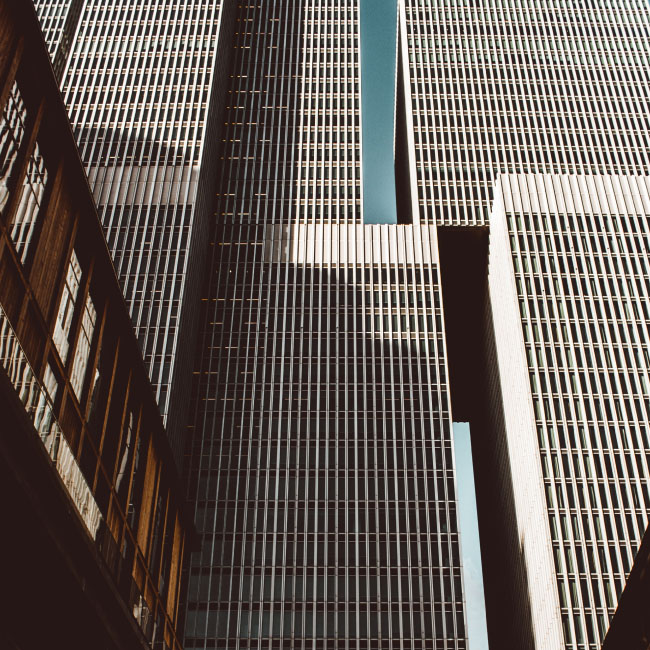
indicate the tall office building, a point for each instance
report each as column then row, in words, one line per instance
column 143, row 87
column 320, row 453
column 321, row 458
column 508, row 87
column 562, row 425
column 503, row 94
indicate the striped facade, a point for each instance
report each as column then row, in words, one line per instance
column 524, row 86
column 59, row 20
column 319, row 453
column 321, row 459
column 143, row 87
column 570, row 401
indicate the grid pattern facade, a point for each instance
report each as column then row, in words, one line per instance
column 293, row 139
column 321, row 459
column 530, row 86
column 59, row 20
column 141, row 85
column 320, row 455
column 579, row 254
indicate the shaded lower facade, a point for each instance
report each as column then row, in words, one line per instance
column 630, row 627
column 323, row 461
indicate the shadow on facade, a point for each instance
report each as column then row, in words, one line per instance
column 139, row 148
column 316, row 443
column 477, row 397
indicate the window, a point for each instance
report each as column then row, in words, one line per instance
column 123, row 472
column 31, row 196
column 66, row 308
column 82, row 352
column 12, row 130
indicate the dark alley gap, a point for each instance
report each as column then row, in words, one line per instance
column 403, row 198
column 476, row 398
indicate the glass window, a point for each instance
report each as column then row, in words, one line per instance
column 66, row 307
column 12, row 131
column 82, row 352
column 123, row 472
column 22, row 227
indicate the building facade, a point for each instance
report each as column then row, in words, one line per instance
column 332, row 356
column 562, row 426
column 321, row 457
column 486, row 91
column 59, row 21
column 629, row 627
column 96, row 528
column 309, row 317
column 143, row 84
column 527, row 87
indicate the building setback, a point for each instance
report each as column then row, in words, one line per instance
column 562, row 426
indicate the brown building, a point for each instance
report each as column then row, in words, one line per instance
column 630, row 627
column 95, row 530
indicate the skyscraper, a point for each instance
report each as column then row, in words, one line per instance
column 321, row 458
column 322, row 373
column 333, row 355
column 143, row 87
column 496, row 89
column 629, row 627
column 562, row 426
column 532, row 86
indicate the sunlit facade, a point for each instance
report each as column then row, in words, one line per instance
column 568, row 386
column 532, row 86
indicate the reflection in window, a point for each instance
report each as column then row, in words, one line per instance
column 82, row 352
column 95, row 411
column 50, row 383
column 66, row 307
column 133, row 510
column 123, row 472
column 12, row 130
column 31, row 196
